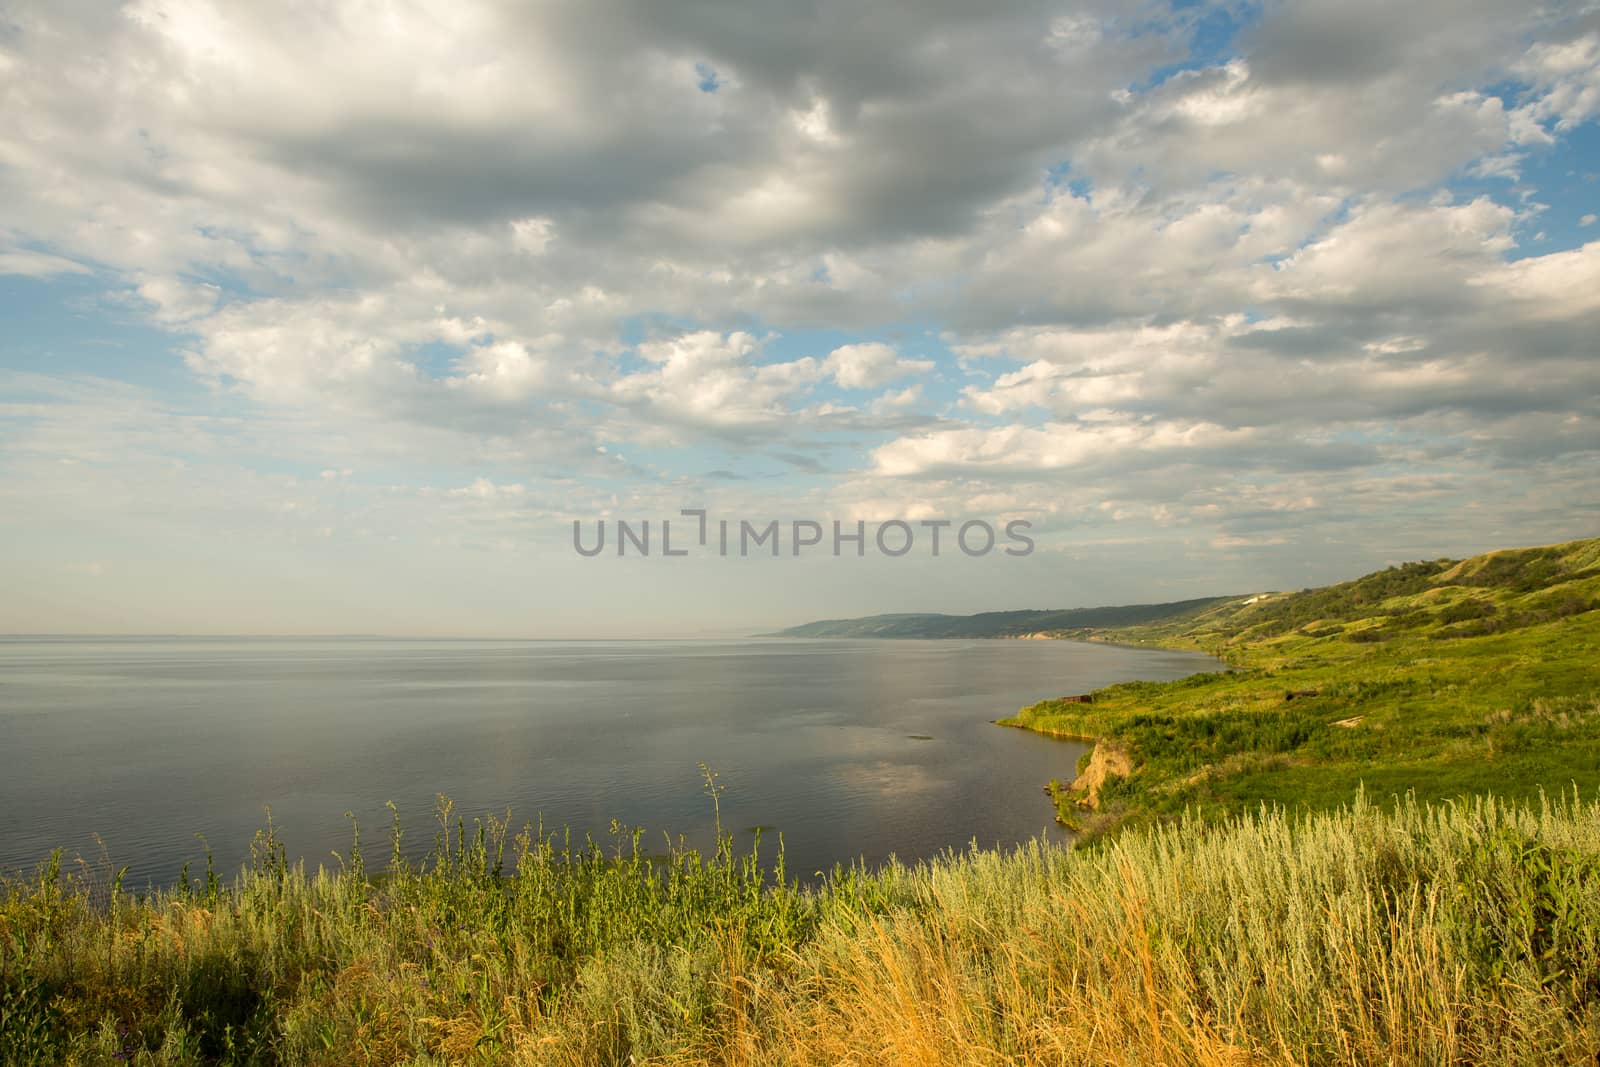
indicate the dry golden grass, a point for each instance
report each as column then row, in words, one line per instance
column 1447, row 935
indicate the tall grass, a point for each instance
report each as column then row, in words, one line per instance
column 1466, row 933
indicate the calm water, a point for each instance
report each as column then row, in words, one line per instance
column 148, row 742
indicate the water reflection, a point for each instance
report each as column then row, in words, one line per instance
column 849, row 748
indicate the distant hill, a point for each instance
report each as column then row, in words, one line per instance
column 1067, row 622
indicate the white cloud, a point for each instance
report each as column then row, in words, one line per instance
column 485, row 489
column 1056, row 446
column 1566, row 80
column 173, row 302
column 38, row 264
column 901, row 400
column 1562, row 286
column 711, row 380
column 504, row 369
column 871, row 365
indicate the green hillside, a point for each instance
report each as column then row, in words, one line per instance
column 1444, row 678
column 1068, row 622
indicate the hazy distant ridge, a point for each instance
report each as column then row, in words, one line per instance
column 1001, row 623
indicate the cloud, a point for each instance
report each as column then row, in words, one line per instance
column 38, row 264
column 871, row 365
column 711, row 380
column 1565, row 80
column 1052, row 447
column 520, row 259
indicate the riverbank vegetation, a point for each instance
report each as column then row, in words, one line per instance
column 1453, row 934
column 1444, row 678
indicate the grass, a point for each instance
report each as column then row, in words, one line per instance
column 1392, row 933
column 1442, row 679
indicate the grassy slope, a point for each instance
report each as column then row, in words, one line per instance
column 1063, row 622
column 1451, row 677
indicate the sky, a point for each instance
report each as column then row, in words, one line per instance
column 335, row 317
